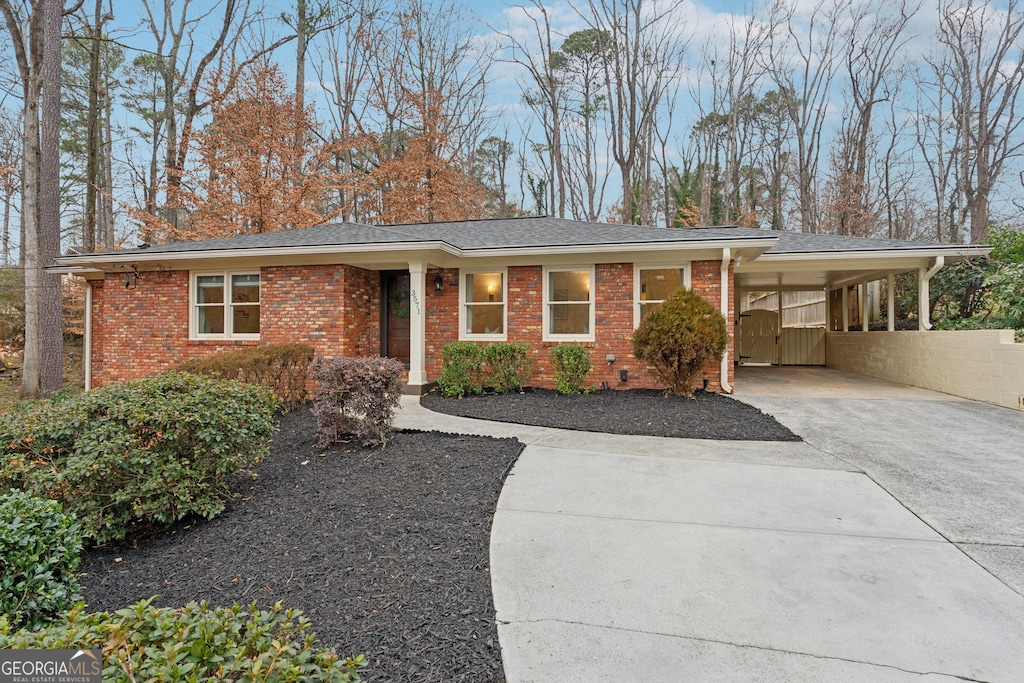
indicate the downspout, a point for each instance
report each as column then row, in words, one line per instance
column 924, row 296
column 726, row 259
column 87, row 344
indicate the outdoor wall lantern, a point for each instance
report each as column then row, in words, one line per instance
column 438, row 283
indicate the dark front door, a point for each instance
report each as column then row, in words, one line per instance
column 395, row 287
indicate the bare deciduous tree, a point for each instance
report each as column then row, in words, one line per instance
column 803, row 61
column 643, row 55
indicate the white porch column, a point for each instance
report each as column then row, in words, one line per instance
column 891, row 311
column 846, row 308
column 87, row 343
column 417, row 324
column 862, row 290
column 924, row 278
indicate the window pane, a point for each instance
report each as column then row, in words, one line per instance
column 211, row 320
column 485, row 319
column 569, row 285
column 569, row 319
column 658, row 285
column 484, row 287
column 648, row 308
column 210, row 289
column 246, row 319
column 245, row 288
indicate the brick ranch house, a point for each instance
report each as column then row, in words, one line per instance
column 407, row 290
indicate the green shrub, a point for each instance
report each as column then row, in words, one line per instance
column 679, row 338
column 39, row 547
column 140, row 453
column 461, row 371
column 282, row 367
column 194, row 643
column 506, row 366
column 356, row 396
column 571, row 363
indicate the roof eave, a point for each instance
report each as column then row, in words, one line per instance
column 98, row 261
column 915, row 252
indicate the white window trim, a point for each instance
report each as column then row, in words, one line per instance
column 546, row 304
column 637, row 267
column 463, row 334
column 193, row 308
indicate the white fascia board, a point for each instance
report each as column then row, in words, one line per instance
column 917, row 252
column 268, row 252
column 112, row 259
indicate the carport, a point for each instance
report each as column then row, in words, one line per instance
column 842, row 271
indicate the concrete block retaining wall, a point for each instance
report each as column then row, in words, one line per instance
column 984, row 365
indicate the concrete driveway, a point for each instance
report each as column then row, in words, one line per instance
column 886, row 547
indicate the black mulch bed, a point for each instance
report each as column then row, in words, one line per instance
column 644, row 412
column 386, row 551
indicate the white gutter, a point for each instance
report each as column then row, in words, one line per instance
column 726, row 259
column 923, row 294
column 119, row 258
column 87, row 345
column 916, row 252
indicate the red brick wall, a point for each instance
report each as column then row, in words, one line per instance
column 613, row 296
column 442, row 317
column 143, row 331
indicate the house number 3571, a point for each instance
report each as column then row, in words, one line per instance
column 414, row 295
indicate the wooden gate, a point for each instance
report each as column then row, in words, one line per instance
column 759, row 337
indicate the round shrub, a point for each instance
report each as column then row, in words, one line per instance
column 679, row 338
column 571, row 363
column 39, row 547
column 194, row 643
column 144, row 453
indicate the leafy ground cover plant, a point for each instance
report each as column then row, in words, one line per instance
column 193, row 643
column 39, row 554
column 679, row 338
column 572, row 363
column 137, row 454
column 282, row 367
column 356, row 396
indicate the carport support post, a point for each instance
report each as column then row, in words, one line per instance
column 846, row 308
column 924, row 277
column 417, row 324
column 891, row 302
column 862, row 290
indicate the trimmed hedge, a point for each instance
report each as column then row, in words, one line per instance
column 470, row 368
column 679, row 338
column 39, row 547
column 143, row 453
column 571, row 363
column 461, row 370
column 356, row 396
column 282, row 367
column 194, row 643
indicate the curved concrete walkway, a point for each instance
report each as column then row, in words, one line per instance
column 619, row 558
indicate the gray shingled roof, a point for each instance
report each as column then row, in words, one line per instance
column 523, row 232
column 496, row 233
column 805, row 243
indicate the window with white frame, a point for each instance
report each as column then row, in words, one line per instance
column 483, row 305
column 653, row 285
column 568, row 304
column 226, row 305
